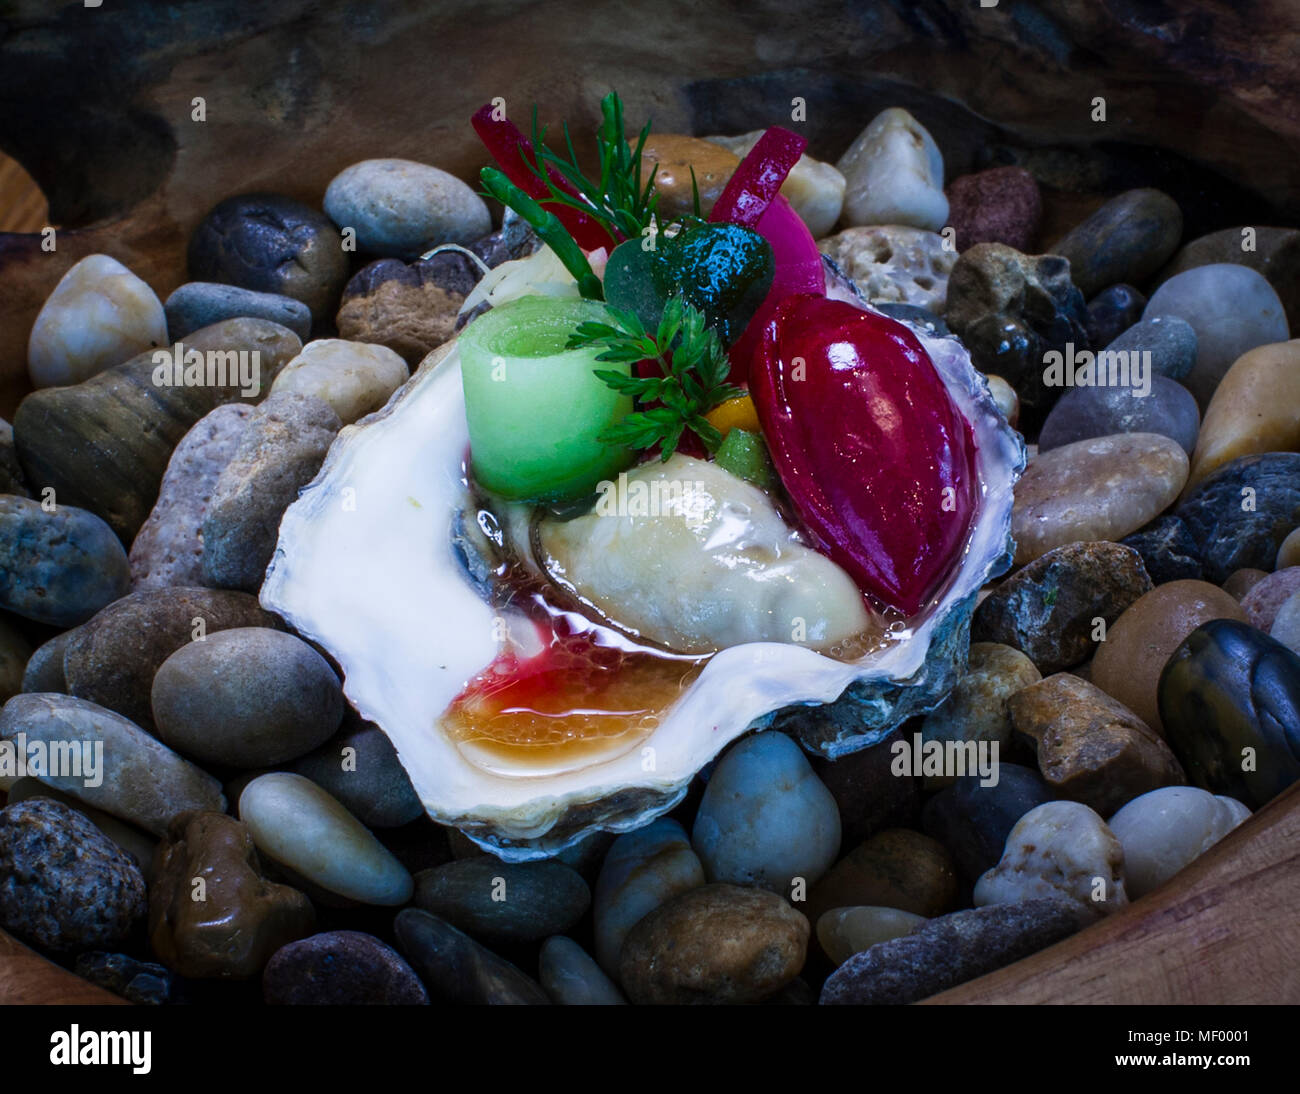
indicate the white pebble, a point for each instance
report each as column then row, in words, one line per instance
column 299, row 825
column 99, row 315
column 894, row 174
column 1060, row 850
column 355, row 378
column 1164, row 830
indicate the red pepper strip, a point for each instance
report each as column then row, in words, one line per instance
column 513, row 153
column 875, row 455
column 758, row 179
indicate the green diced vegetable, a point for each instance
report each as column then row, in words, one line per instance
column 744, row 454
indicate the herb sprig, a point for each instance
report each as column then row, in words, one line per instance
column 693, row 376
column 618, row 199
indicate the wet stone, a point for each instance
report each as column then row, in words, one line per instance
column 455, row 969
column 1227, row 688
column 1049, row 608
column 1113, row 311
column 1169, row 551
column 64, row 885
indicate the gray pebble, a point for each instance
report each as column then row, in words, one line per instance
column 359, row 767
column 246, row 697
column 1171, row 341
column 501, row 901
column 280, row 452
column 200, row 303
column 1086, row 412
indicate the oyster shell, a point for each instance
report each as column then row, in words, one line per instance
column 371, row 564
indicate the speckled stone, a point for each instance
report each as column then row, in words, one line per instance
column 112, row 660
column 280, row 451
column 104, row 445
column 271, row 243
column 1127, row 239
column 973, row 821
column 716, row 944
column 1049, row 608
column 1128, row 664
column 891, row 264
column 411, row 309
column 1112, row 311
column 64, row 885
column 1242, row 512
column 1060, row 850
column 168, row 549
column 58, row 567
column 1265, row 599
column 1099, row 489
column 242, row 919
column 1091, row 749
column 99, row 315
column 676, row 156
column 1000, row 205
column 246, row 697
column 139, row 779
column 1232, row 309
column 455, row 969
column 1169, row 551
column 949, row 951
column 503, row 902
column 340, row 968
column 198, row 304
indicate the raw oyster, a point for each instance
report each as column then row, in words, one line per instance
column 372, row 563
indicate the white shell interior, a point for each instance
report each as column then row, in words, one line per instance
column 365, row 566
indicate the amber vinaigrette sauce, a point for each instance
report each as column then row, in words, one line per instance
column 590, row 692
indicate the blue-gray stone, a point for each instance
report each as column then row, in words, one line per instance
column 1232, row 309
column 1127, row 239
column 1240, row 515
column 1170, row 341
column 1084, row 412
column 504, row 901
column 58, row 568
column 201, row 303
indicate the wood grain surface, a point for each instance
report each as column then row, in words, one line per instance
column 29, row 979
column 1224, row 930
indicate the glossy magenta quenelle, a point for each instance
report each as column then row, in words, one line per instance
column 876, row 457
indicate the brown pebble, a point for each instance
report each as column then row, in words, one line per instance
column 1128, row 663
column 896, row 868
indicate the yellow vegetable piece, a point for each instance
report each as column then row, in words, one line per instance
column 737, row 413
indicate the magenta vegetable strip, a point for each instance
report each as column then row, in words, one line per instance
column 758, row 179
column 509, row 147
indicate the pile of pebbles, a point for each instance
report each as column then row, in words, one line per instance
column 238, row 832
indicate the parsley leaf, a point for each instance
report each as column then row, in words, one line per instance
column 693, row 369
